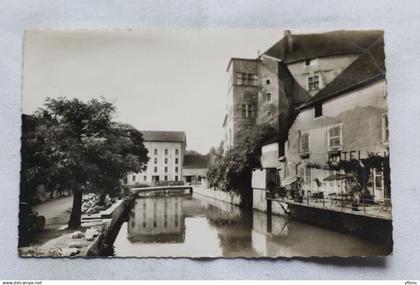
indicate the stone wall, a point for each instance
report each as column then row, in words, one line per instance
column 227, row 197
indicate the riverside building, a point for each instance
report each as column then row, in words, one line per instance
column 166, row 156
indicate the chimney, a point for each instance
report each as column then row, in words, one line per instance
column 289, row 40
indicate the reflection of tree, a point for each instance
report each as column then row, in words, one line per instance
column 233, row 245
column 219, row 218
column 234, row 230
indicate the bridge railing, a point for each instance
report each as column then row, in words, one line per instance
column 168, row 183
column 336, row 201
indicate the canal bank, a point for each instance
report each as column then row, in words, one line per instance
column 103, row 244
column 201, row 226
column 372, row 227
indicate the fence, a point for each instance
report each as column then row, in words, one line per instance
column 361, row 204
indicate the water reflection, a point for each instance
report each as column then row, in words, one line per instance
column 157, row 219
column 201, row 227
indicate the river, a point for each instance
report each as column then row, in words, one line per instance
column 197, row 226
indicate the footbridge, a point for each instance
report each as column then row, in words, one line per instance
column 163, row 189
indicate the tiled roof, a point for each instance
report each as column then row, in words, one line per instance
column 308, row 46
column 163, row 136
column 367, row 68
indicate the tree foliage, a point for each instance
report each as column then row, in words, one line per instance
column 76, row 145
column 359, row 170
column 232, row 170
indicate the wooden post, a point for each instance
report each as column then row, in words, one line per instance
column 269, row 208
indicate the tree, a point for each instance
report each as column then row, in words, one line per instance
column 233, row 171
column 77, row 145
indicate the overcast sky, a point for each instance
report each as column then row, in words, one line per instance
column 158, row 80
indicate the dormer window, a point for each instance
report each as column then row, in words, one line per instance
column 313, row 83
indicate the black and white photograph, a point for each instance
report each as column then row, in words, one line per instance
column 205, row 143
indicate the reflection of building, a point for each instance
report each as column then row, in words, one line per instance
column 166, row 153
column 195, row 167
column 157, row 220
column 347, row 120
column 266, row 233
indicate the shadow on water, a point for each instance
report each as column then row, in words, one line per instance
column 181, row 226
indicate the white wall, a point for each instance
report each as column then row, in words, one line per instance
column 146, row 176
column 327, row 67
column 360, row 114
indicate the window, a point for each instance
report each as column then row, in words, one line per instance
column 267, row 81
column 385, row 130
column 269, row 114
column 134, row 178
column 176, row 178
column 249, row 111
column 156, row 151
column 176, row 169
column 379, row 178
column 318, row 110
column 334, row 137
column 176, row 152
column 313, row 82
column 166, row 169
column 144, row 178
column 268, row 97
column 307, row 62
column 166, row 160
column 239, row 79
column 166, row 151
column 304, row 143
column 155, row 169
column 155, row 160
column 246, row 79
column 166, row 177
column 243, row 111
column 176, row 160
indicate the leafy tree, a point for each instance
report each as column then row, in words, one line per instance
column 77, row 145
column 233, row 171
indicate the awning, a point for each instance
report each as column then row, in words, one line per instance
column 289, row 180
column 337, row 177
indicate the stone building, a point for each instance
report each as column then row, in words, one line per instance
column 296, row 69
column 266, row 90
column 344, row 121
column 166, row 156
column 317, row 59
column 242, row 98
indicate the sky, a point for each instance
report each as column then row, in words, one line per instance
column 158, row 80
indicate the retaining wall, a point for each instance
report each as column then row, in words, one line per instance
column 227, row 197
